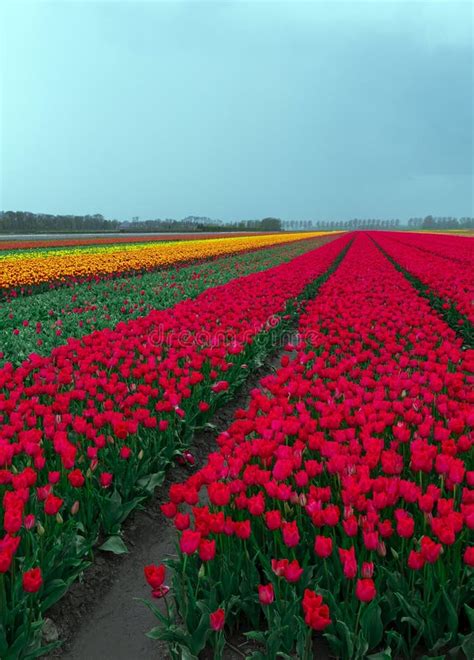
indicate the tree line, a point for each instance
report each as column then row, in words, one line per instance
column 198, row 224
column 445, row 222
column 333, row 225
column 24, row 222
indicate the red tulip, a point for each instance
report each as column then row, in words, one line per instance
column 266, row 594
column 155, row 575
column 323, row 546
column 365, row 590
column 189, row 541
column 32, row 580
column 217, row 619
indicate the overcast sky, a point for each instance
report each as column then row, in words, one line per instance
column 302, row 110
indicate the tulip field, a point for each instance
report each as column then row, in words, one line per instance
column 336, row 509
column 46, row 267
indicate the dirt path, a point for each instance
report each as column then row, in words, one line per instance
column 116, row 626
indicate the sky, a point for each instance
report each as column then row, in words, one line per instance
column 237, row 110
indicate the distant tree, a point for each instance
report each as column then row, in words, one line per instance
column 271, row 224
column 24, row 222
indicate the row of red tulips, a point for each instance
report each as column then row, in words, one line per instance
column 457, row 248
column 87, row 432
column 38, row 323
column 450, row 278
column 342, row 498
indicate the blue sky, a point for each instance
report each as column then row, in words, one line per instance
column 303, row 110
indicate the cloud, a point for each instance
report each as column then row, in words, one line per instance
column 301, row 109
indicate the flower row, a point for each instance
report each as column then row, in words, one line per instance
column 449, row 277
column 26, row 269
column 101, row 239
column 457, row 248
column 342, row 498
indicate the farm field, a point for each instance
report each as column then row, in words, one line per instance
column 339, row 502
column 47, row 319
column 20, row 269
column 32, row 241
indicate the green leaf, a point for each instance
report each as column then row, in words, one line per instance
column 413, row 622
column 470, row 615
column 151, row 481
column 382, row 655
column 114, row 544
column 256, row 635
column 186, row 654
column 399, row 645
column 155, row 633
column 83, row 546
column 441, row 642
column 56, row 590
column 153, row 608
column 3, row 641
column 407, row 607
column 348, row 637
column 468, row 646
column 371, row 624
column 199, row 636
column 37, row 653
column 452, row 617
column 18, row 645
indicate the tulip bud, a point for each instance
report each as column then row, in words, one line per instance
column 40, row 529
column 59, row 518
column 382, row 550
column 140, row 454
column 75, row 507
column 348, row 511
column 29, row 521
